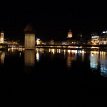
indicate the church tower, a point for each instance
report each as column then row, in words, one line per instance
column 69, row 34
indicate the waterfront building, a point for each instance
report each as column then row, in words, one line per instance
column 2, row 37
column 103, row 38
column 95, row 40
column 99, row 40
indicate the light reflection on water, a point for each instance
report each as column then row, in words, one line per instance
column 103, row 63
column 71, row 56
column 37, row 55
column 94, row 59
column 29, row 57
column 97, row 59
column 2, row 57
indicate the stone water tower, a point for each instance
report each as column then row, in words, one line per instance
column 29, row 37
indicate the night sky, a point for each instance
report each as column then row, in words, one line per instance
column 52, row 20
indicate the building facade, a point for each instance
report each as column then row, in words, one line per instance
column 95, row 40
column 1, row 37
column 69, row 34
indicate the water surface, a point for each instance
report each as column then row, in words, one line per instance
column 30, row 71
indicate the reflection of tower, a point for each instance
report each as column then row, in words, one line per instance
column 29, row 37
column 2, row 37
column 29, row 57
column 2, row 57
column 69, row 34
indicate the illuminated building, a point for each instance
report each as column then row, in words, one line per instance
column 38, row 41
column 51, row 42
column 2, row 37
column 95, row 40
column 69, row 34
column 99, row 40
column 103, row 38
column 29, row 38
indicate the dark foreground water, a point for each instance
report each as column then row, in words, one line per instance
column 53, row 72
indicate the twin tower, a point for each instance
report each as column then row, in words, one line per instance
column 29, row 37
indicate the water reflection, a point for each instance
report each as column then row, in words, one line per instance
column 29, row 57
column 2, row 57
column 94, row 57
column 103, row 63
column 71, row 56
column 37, row 55
column 99, row 60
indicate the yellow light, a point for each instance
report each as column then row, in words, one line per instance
column 38, row 41
column 20, row 53
column 49, row 50
column 53, row 51
column 74, row 51
column 37, row 56
column 69, row 51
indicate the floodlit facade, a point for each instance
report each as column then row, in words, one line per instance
column 103, row 40
column 29, row 41
column 99, row 40
column 2, row 37
column 69, row 34
column 29, row 38
column 95, row 40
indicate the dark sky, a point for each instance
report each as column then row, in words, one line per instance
column 52, row 20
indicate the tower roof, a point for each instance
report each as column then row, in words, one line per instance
column 29, row 29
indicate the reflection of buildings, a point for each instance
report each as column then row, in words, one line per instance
column 29, row 57
column 2, row 57
column 103, row 63
column 37, row 55
column 71, row 55
column 81, row 54
column 69, row 60
column 99, row 59
column 94, row 59
column 29, row 38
